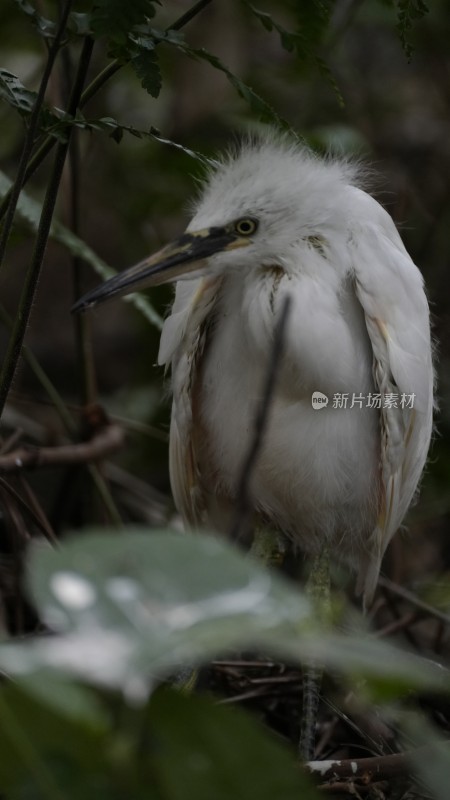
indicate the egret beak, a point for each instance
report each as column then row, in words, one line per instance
column 184, row 255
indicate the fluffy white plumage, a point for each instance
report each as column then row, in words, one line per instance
column 273, row 220
column 359, row 323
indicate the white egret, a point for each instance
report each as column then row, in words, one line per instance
column 273, row 219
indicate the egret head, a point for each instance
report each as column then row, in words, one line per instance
column 257, row 207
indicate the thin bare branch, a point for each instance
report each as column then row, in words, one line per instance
column 10, row 203
column 107, row 441
column 35, row 518
column 261, row 421
column 368, row 770
column 26, row 300
column 412, row 598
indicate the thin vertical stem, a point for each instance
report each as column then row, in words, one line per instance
column 82, row 322
column 243, row 502
column 85, row 360
column 31, row 278
column 32, row 128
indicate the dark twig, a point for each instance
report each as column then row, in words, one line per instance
column 106, row 441
column 261, row 420
column 10, row 203
column 375, row 768
column 82, row 323
column 36, row 518
column 410, row 597
column 36, row 508
column 251, row 694
column 31, row 279
column 348, row 789
column 190, row 14
column 398, row 624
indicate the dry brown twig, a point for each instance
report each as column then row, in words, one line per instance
column 108, row 440
column 412, row 598
column 369, row 770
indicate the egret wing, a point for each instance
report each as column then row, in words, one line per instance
column 390, row 289
column 181, row 346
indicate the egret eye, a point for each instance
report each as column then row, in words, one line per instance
column 246, row 226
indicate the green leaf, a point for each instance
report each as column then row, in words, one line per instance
column 219, row 753
column 155, row 601
column 29, row 211
column 115, row 18
column 13, row 92
column 137, row 606
column 58, row 742
column 260, row 106
column 431, row 763
column 45, row 27
column 264, row 111
column 116, row 130
column 146, row 67
column 79, row 24
column 52, row 734
column 409, row 12
column 306, row 40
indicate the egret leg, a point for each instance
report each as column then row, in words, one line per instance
column 268, row 546
column 318, row 592
column 186, row 679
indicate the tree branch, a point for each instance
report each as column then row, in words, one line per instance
column 108, row 440
column 375, row 768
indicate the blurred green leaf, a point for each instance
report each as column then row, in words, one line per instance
column 409, row 12
column 141, row 604
column 430, row 754
column 219, row 753
column 61, row 741
column 155, row 601
column 53, row 735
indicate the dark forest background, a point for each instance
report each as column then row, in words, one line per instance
column 170, row 83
